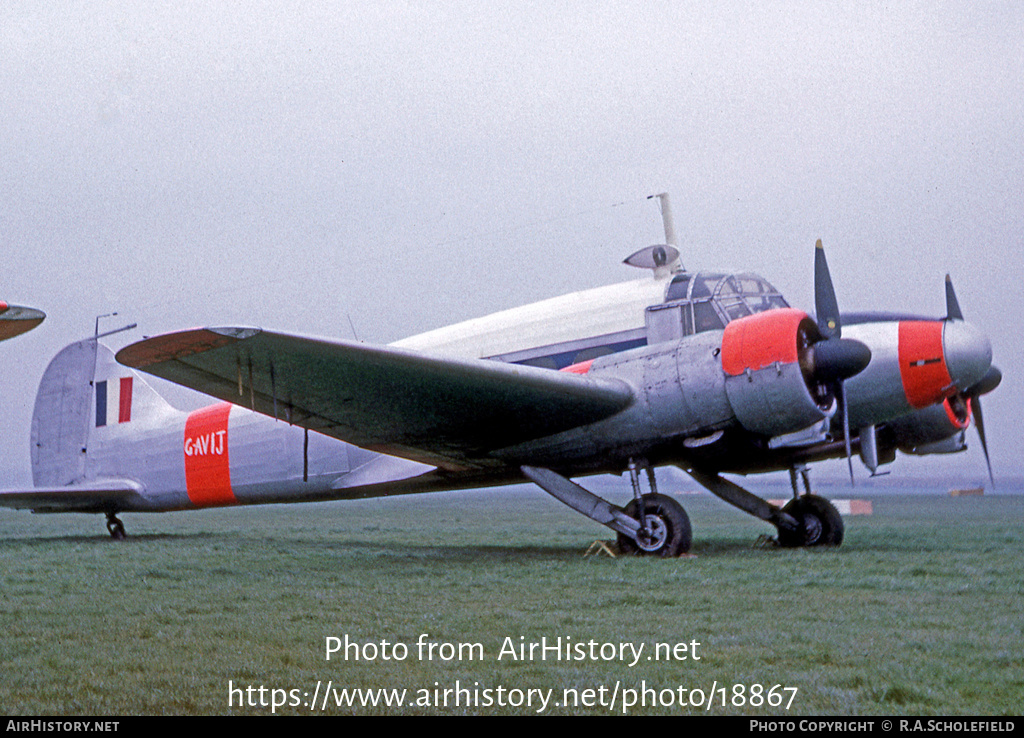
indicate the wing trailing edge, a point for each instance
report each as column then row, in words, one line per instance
column 451, row 413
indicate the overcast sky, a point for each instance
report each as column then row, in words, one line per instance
column 406, row 165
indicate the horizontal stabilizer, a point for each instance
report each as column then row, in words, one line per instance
column 451, row 413
column 106, row 495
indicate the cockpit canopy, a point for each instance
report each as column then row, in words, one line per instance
column 706, row 301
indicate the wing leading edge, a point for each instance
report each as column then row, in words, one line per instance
column 450, row 413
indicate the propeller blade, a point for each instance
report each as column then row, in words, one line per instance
column 835, row 358
column 825, row 304
column 953, row 311
column 979, row 423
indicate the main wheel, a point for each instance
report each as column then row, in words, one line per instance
column 820, row 523
column 669, row 534
column 116, row 528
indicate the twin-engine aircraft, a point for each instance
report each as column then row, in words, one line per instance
column 710, row 372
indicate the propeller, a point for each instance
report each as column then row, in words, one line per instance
column 825, row 304
column 837, row 358
column 953, row 311
column 987, row 383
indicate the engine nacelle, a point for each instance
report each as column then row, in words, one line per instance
column 935, row 429
column 768, row 369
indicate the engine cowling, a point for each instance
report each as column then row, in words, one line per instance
column 770, row 372
column 936, row 429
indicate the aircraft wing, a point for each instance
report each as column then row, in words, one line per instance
column 450, row 413
column 100, row 496
column 15, row 320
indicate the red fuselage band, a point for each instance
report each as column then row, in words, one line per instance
column 207, row 466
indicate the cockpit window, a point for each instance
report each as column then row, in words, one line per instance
column 678, row 288
column 704, row 285
column 706, row 318
column 713, row 300
column 728, row 286
column 730, row 299
column 750, row 290
column 758, row 294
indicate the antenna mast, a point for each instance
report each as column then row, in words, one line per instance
column 666, row 218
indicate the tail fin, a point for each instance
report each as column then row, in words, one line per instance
column 86, row 396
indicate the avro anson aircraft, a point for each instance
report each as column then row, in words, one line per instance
column 711, row 372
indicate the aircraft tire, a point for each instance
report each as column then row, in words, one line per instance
column 672, row 528
column 116, row 529
column 820, row 523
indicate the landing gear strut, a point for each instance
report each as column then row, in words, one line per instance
column 664, row 525
column 806, row 520
column 650, row 525
column 115, row 527
column 818, row 521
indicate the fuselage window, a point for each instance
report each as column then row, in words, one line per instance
column 544, row 362
column 592, row 353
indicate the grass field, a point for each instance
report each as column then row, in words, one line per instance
column 918, row 613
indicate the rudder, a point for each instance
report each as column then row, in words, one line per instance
column 84, row 390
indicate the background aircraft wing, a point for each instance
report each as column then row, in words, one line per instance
column 102, row 496
column 15, row 319
column 447, row 412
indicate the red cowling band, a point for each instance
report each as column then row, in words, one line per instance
column 923, row 369
column 762, row 339
column 960, row 417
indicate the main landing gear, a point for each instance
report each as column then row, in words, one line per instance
column 806, row 520
column 656, row 525
column 665, row 531
column 115, row 527
column 664, row 525
column 818, row 521
column 650, row 525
